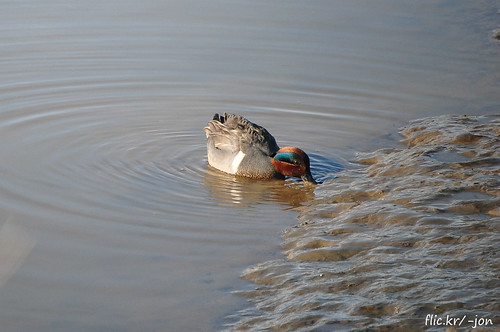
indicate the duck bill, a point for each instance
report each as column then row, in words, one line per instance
column 308, row 178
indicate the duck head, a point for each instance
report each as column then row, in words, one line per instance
column 291, row 161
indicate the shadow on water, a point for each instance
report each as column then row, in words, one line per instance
column 324, row 168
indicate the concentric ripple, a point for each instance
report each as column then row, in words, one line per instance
column 110, row 218
column 108, row 185
column 78, row 149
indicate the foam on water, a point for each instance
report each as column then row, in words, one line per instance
column 415, row 231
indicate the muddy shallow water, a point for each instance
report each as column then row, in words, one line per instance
column 412, row 234
column 110, row 218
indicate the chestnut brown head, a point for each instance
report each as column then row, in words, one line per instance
column 292, row 161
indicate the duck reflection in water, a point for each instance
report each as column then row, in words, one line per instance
column 244, row 152
column 229, row 189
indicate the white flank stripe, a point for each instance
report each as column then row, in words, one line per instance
column 237, row 161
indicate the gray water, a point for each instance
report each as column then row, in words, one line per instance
column 110, row 218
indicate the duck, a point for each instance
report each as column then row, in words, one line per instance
column 239, row 147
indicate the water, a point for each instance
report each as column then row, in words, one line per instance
column 110, row 218
column 415, row 233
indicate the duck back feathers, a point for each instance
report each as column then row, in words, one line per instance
column 246, row 133
column 238, row 146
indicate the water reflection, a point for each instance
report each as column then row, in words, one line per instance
column 228, row 189
column 382, row 246
column 15, row 245
column 102, row 154
column 324, row 168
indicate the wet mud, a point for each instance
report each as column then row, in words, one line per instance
column 412, row 232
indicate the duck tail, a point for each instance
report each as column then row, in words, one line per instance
column 220, row 118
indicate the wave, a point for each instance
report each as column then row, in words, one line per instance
column 411, row 233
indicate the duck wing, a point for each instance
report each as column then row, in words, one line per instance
column 234, row 133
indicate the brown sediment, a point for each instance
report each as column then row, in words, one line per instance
column 414, row 232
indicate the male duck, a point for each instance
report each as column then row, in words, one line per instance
column 238, row 146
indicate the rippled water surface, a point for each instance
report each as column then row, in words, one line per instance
column 414, row 233
column 110, row 218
